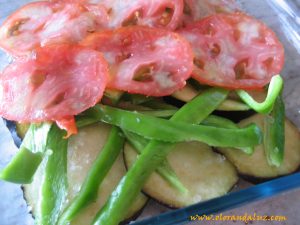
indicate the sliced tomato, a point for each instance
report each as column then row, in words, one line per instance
column 234, row 51
column 198, row 9
column 144, row 60
column 58, row 82
column 40, row 23
column 154, row 13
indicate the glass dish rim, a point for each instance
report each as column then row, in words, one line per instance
column 226, row 202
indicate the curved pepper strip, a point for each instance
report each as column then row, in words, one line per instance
column 54, row 185
column 101, row 166
column 266, row 106
column 152, row 156
column 274, row 134
column 172, row 131
column 164, row 170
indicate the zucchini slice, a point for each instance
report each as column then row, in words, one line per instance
column 204, row 173
column 256, row 165
column 82, row 151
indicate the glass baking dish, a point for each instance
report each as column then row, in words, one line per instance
column 283, row 16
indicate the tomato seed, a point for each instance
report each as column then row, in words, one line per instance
column 199, row 63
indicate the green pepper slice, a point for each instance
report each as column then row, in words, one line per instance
column 172, row 131
column 164, row 170
column 53, row 189
column 266, row 106
column 24, row 164
column 152, row 156
column 101, row 166
column 274, row 133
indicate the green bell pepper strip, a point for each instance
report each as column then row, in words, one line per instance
column 189, row 92
column 152, row 156
column 100, row 168
column 266, row 106
column 24, row 164
column 274, row 134
column 164, row 170
column 218, row 121
column 54, row 185
column 172, row 131
column 85, row 120
column 22, row 167
column 158, row 113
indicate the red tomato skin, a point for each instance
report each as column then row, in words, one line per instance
column 164, row 56
column 217, row 41
column 42, row 23
column 56, row 82
column 140, row 12
column 147, row 13
column 68, row 124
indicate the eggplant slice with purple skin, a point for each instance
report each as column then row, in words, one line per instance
column 82, row 151
column 203, row 172
column 255, row 167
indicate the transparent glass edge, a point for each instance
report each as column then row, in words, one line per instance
column 289, row 18
column 230, row 201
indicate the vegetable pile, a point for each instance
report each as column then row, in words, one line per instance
column 92, row 78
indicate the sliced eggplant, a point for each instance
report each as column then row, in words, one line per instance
column 256, row 165
column 204, row 173
column 82, row 151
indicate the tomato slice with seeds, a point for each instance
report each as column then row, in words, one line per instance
column 41, row 23
column 143, row 60
column 154, row 13
column 234, row 51
column 58, row 82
